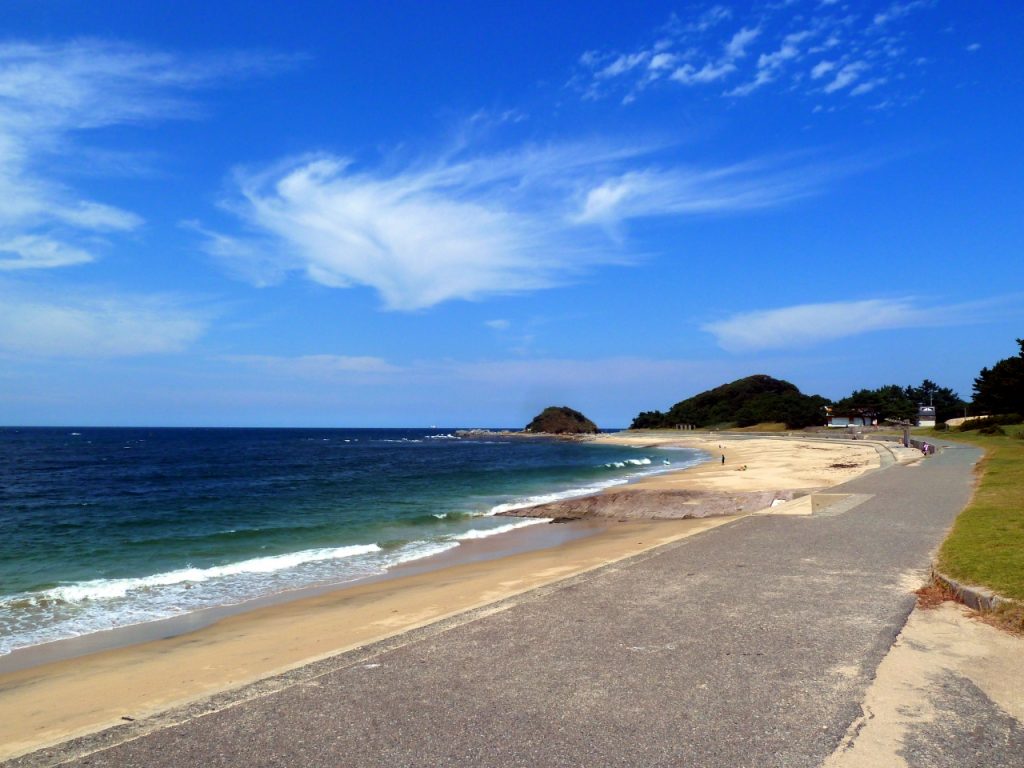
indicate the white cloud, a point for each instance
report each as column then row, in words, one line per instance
column 498, row 325
column 777, row 58
column 35, row 251
column 762, row 78
column 624, row 64
column 770, row 65
column 795, row 38
column 763, row 46
column 95, row 326
column 663, row 61
column 712, row 17
column 821, row 69
column 636, row 194
column 458, row 228
column 898, row 11
column 846, row 76
column 418, row 238
column 809, row 324
column 654, row 61
column 736, row 48
column 317, row 366
column 49, row 96
column 561, row 373
column 867, row 87
column 96, row 217
column 688, row 75
column 974, row 47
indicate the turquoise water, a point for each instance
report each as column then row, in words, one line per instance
column 105, row 527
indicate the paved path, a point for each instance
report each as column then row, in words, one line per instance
column 750, row 645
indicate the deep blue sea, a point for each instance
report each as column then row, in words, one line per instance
column 101, row 528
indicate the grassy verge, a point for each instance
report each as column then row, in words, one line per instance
column 986, row 546
column 764, row 426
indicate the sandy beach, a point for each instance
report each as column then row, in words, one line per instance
column 756, row 472
column 753, row 463
column 51, row 702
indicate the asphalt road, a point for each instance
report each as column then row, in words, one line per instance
column 749, row 645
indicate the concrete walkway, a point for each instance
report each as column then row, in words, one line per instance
column 754, row 644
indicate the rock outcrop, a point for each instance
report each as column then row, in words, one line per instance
column 652, row 505
column 556, row 420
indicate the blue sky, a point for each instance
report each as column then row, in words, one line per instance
column 369, row 214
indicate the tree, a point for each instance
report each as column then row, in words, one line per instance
column 1000, row 389
column 888, row 402
column 649, row 420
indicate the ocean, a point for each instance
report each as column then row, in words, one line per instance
column 106, row 527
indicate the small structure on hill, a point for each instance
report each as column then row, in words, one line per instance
column 850, row 420
column 561, row 420
column 926, row 416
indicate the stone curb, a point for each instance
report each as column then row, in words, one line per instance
column 978, row 598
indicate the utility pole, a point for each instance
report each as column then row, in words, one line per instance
column 905, row 426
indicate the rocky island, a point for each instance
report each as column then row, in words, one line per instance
column 561, row 420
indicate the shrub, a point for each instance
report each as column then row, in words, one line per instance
column 993, row 429
column 991, row 421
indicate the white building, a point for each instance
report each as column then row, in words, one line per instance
column 926, row 416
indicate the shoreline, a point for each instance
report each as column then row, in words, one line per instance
column 52, row 701
column 524, row 539
column 754, row 473
column 489, row 547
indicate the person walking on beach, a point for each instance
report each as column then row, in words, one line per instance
column 723, row 458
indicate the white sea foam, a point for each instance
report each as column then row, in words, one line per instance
column 628, row 463
column 588, row 490
column 106, row 589
column 483, row 533
column 89, row 606
column 418, row 550
column 548, row 498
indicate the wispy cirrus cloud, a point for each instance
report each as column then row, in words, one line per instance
column 896, row 11
column 743, row 186
column 507, row 374
column 805, row 325
column 790, row 45
column 51, row 95
column 469, row 226
column 321, row 366
column 39, row 252
column 86, row 325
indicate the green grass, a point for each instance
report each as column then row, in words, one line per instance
column 986, row 546
column 764, row 426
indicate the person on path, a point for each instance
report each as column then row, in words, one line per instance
column 723, row 458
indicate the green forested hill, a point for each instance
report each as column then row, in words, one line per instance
column 747, row 401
